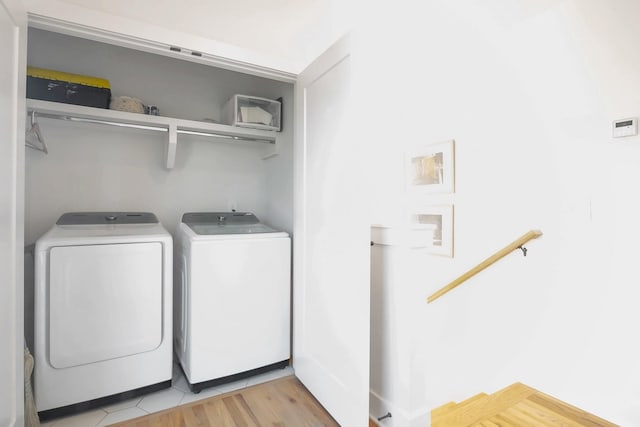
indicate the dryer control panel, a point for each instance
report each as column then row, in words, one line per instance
column 95, row 218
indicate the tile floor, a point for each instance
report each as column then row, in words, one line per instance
column 178, row 394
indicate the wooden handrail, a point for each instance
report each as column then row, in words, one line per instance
column 533, row 234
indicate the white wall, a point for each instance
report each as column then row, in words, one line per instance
column 93, row 167
column 528, row 90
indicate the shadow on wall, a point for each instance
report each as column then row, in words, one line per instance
column 29, row 280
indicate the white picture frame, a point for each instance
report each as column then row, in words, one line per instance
column 431, row 168
column 432, row 228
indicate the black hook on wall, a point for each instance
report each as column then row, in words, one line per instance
column 387, row 415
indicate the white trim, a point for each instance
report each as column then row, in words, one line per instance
column 138, row 43
column 12, row 226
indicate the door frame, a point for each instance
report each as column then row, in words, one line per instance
column 12, row 227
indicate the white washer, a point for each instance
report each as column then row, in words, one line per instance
column 103, row 310
column 232, row 297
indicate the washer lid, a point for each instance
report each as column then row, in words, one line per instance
column 94, row 218
column 210, row 223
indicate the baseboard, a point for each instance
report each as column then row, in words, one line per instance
column 379, row 406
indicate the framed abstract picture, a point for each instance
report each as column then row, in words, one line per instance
column 431, row 168
column 435, row 226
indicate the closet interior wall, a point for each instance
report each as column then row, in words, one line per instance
column 94, row 167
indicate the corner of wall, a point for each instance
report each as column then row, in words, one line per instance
column 379, row 406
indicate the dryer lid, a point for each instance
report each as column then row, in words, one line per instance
column 95, row 218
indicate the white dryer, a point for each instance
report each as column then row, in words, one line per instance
column 232, row 297
column 103, row 310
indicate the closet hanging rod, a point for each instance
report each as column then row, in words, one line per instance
column 153, row 128
column 102, row 122
column 220, row 135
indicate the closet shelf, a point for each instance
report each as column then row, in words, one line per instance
column 172, row 126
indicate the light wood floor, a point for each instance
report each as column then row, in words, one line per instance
column 284, row 402
column 515, row 406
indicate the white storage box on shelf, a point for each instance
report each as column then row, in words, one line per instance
column 253, row 112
